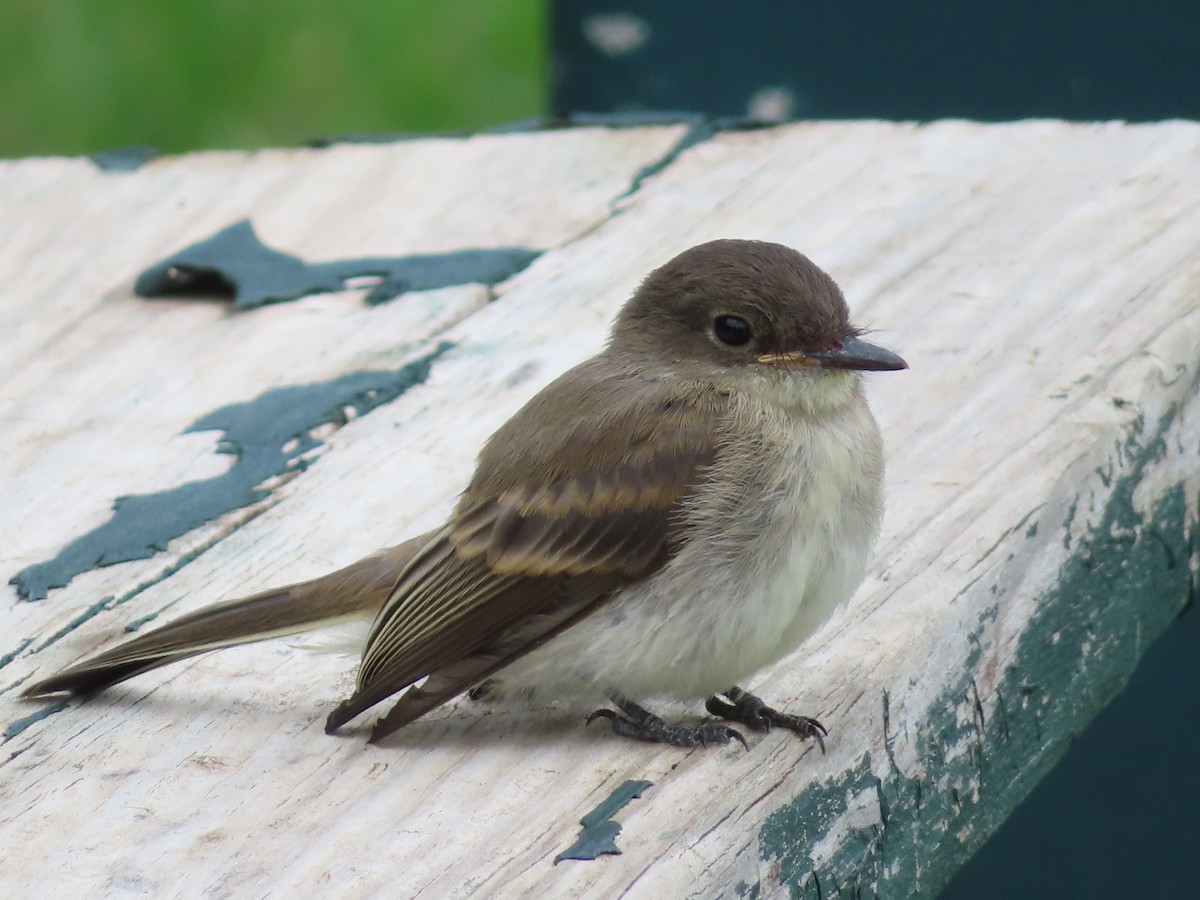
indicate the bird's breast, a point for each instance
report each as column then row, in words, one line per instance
column 791, row 515
column 773, row 540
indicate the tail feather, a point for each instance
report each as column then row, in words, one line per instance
column 357, row 591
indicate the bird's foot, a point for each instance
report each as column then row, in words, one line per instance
column 635, row 722
column 742, row 706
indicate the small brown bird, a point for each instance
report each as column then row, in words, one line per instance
column 664, row 519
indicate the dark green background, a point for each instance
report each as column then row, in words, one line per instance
column 888, row 59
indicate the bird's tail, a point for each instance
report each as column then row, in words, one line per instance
column 355, row 592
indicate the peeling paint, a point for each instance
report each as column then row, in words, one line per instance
column 235, row 263
column 16, row 726
column 271, row 435
column 1128, row 572
column 599, row 833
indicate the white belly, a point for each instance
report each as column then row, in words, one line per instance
column 772, row 552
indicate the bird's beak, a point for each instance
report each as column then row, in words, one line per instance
column 850, row 353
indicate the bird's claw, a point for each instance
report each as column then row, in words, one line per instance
column 744, row 707
column 645, row 726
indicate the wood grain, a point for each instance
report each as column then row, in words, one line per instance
column 1041, row 279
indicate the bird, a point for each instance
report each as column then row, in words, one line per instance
column 663, row 520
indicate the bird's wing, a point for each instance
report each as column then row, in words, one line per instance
column 577, row 495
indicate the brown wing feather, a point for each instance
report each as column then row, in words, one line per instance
column 449, row 682
column 576, row 495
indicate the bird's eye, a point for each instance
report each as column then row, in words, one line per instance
column 733, row 331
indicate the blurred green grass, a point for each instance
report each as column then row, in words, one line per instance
column 80, row 77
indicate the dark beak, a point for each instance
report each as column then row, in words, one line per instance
column 851, row 353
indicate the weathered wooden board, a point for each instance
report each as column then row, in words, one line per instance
column 1041, row 278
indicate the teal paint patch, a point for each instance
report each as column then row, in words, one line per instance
column 9, row 657
column 16, row 726
column 235, row 263
column 599, row 834
column 747, row 890
column 269, row 436
column 137, row 624
column 1126, row 581
column 124, row 159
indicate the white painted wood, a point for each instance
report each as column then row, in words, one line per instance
column 1030, row 273
column 115, row 379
